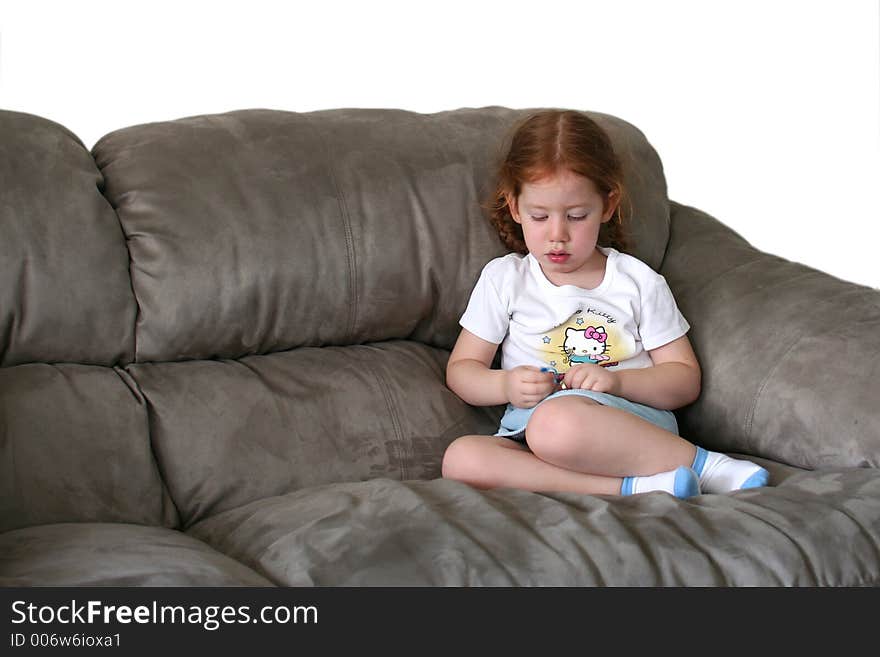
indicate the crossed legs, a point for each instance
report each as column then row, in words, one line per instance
column 574, row 445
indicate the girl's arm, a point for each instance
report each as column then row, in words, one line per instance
column 469, row 375
column 673, row 381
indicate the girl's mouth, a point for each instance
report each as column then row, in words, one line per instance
column 558, row 258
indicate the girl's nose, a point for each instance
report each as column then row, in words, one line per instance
column 558, row 230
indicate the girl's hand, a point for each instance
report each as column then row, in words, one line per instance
column 589, row 376
column 525, row 386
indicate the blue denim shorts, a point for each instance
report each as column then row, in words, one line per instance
column 514, row 421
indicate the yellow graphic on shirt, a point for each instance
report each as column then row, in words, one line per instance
column 586, row 337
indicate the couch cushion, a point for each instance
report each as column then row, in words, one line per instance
column 66, row 294
column 227, row 433
column 259, row 231
column 74, row 447
column 813, row 529
column 790, row 355
column 91, row 554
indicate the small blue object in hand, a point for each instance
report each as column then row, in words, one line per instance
column 556, row 375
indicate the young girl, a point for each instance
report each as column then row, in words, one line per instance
column 594, row 351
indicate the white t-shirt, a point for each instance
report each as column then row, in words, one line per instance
column 544, row 325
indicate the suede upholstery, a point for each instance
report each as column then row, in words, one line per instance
column 790, row 355
column 66, row 293
column 222, row 351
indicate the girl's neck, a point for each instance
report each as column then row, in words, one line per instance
column 588, row 277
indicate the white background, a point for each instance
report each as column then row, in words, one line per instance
column 766, row 114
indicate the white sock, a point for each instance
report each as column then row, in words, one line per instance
column 681, row 482
column 721, row 474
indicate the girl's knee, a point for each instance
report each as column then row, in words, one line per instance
column 461, row 458
column 546, row 420
column 558, row 426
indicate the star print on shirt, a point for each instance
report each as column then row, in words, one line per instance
column 546, row 339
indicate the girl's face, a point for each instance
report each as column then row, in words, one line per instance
column 560, row 216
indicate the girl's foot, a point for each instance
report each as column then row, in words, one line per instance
column 721, row 474
column 681, row 482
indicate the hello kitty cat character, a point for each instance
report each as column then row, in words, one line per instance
column 586, row 345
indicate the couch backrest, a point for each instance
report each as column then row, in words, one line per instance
column 159, row 295
column 66, row 293
column 259, row 231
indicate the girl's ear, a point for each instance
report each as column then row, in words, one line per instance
column 512, row 206
column 611, row 203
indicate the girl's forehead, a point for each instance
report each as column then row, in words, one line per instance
column 560, row 185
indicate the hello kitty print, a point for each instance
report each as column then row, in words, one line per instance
column 589, row 336
column 586, row 345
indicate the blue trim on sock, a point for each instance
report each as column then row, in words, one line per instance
column 626, row 486
column 687, row 483
column 760, row 478
column 700, row 460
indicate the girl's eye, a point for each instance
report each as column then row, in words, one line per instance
column 538, row 218
column 577, row 217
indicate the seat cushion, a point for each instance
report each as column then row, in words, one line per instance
column 226, row 433
column 814, row 528
column 92, row 554
column 75, row 447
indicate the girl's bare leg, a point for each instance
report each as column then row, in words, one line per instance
column 576, row 433
column 494, row 462
column 577, row 445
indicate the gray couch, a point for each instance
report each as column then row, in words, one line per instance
column 223, row 342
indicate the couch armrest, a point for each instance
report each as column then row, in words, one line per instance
column 790, row 355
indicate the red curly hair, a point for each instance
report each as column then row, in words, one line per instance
column 549, row 141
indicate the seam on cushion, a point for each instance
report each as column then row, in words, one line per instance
column 17, row 317
column 349, row 237
column 760, row 391
column 402, row 454
column 101, row 185
column 668, row 235
column 137, row 303
column 131, row 383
